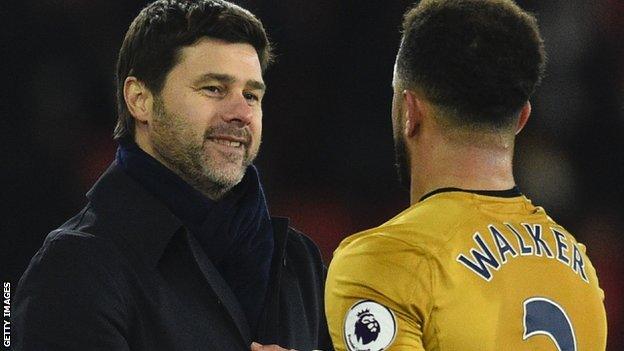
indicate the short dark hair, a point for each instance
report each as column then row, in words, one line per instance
column 480, row 60
column 152, row 45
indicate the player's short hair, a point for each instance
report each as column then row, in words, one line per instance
column 153, row 43
column 478, row 61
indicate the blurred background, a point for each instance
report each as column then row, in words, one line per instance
column 327, row 153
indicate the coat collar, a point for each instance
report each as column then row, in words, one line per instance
column 133, row 214
column 145, row 222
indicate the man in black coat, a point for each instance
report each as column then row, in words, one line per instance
column 176, row 249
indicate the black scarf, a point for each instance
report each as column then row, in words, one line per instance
column 235, row 232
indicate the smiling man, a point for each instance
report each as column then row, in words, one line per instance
column 206, row 123
column 176, row 249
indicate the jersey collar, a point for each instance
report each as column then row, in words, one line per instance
column 513, row 192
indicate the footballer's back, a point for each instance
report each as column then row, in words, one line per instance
column 466, row 271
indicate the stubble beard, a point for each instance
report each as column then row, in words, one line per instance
column 176, row 145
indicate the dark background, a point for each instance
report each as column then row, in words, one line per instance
column 327, row 155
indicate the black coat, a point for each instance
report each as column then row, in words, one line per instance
column 124, row 274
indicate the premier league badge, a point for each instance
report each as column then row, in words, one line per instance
column 369, row 326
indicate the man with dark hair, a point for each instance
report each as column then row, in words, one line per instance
column 176, row 249
column 474, row 265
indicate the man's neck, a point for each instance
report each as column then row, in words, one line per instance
column 470, row 167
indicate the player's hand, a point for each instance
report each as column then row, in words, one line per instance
column 259, row 347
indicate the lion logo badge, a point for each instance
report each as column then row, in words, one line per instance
column 369, row 326
column 366, row 327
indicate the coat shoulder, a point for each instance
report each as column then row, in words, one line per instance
column 303, row 242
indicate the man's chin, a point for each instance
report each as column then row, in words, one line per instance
column 226, row 177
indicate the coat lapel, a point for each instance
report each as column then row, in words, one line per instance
column 220, row 287
column 268, row 328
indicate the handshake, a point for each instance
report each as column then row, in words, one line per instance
column 259, row 347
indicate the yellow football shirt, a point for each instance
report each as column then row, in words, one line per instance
column 464, row 271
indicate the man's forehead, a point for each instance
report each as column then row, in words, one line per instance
column 238, row 60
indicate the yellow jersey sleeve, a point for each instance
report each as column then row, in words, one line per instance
column 378, row 294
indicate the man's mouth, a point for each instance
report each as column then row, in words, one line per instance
column 228, row 141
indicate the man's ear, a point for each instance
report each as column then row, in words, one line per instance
column 524, row 117
column 138, row 99
column 415, row 110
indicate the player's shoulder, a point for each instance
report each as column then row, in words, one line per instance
column 422, row 228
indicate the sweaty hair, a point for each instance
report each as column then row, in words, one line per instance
column 477, row 61
column 152, row 46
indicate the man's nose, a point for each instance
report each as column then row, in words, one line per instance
column 238, row 110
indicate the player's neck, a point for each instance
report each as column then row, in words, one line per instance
column 471, row 167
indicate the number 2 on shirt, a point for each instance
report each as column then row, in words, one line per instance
column 543, row 316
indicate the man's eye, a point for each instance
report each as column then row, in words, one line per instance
column 213, row 89
column 251, row 97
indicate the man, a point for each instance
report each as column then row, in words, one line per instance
column 472, row 264
column 176, row 249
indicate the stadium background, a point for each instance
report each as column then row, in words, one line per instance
column 327, row 155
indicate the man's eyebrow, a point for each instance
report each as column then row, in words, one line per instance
column 220, row 77
column 229, row 79
column 256, row 85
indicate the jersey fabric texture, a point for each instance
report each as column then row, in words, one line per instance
column 465, row 271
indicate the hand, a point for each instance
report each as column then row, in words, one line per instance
column 259, row 347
